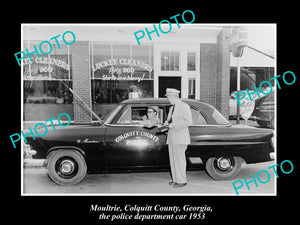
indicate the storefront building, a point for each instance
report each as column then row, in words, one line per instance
column 105, row 66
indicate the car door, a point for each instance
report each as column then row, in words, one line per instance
column 199, row 131
column 206, row 133
column 130, row 144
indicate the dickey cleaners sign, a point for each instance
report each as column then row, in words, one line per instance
column 121, row 69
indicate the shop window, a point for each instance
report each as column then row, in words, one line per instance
column 56, row 65
column 191, row 61
column 191, row 88
column 100, row 53
column 107, row 94
column 44, row 96
column 142, row 54
column 120, row 72
column 45, row 99
column 169, row 61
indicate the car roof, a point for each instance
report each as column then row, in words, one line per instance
column 146, row 100
column 205, row 108
column 191, row 102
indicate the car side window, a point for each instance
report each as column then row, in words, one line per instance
column 134, row 115
column 197, row 118
column 140, row 113
column 131, row 115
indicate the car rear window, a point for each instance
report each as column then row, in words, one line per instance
column 197, row 118
column 219, row 118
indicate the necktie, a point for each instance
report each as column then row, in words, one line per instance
column 170, row 114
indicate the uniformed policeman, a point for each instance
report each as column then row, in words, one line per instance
column 151, row 119
column 178, row 121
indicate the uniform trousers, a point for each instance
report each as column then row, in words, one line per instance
column 178, row 162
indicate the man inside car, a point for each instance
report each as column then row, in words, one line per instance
column 151, row 119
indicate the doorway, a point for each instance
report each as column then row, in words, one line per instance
column 168, row 82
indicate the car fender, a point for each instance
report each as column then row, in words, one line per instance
column 66, row 147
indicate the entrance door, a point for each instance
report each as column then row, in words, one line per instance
column 168, row 82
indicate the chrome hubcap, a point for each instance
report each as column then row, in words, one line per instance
column 224, row 163
column 66, row 167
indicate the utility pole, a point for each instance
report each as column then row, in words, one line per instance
column 238, row 41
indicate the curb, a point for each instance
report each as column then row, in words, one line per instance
column 34, row 163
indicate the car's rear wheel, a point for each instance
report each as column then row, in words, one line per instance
column 66, row 167
column 223, row 168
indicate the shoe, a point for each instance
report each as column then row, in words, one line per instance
column 172, row 183
column 176, row 185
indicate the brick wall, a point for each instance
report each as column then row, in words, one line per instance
column 208, row 73
column 81, row 80
column 215, row 72
column 223, row 72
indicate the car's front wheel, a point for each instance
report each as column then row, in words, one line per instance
column 66, row 167
column 223, row 168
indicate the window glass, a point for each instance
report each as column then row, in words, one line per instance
column 170, row 61
column 125, row 117
column 136, row 114
column 110, row 116
column 100, row 60
column 141, row 61
column 191, row 61
column 197, row 118
column 60, row 62
column 139, row 113
column 56, row 65
column 121, row 67
column 220, row 119
column 36, row 68
column 45, row 99
column 120, row 72
column 191, row 88
column 108, row 92
column 44, row 95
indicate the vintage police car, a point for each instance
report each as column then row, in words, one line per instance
column 120, row 143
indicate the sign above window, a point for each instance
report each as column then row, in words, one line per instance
column 123, row 61
column 48, row 61
column 122, row 69
column 42, row 68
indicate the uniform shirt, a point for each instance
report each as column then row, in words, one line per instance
column 181, row 120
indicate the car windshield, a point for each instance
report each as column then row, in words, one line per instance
column 219, row 118
column 112, row 114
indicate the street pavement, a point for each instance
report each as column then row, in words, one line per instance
column 36, row 181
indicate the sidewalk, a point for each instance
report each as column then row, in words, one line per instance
column 249, row 122
column 34, row 163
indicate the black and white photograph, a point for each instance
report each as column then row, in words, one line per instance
column 171, row 115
